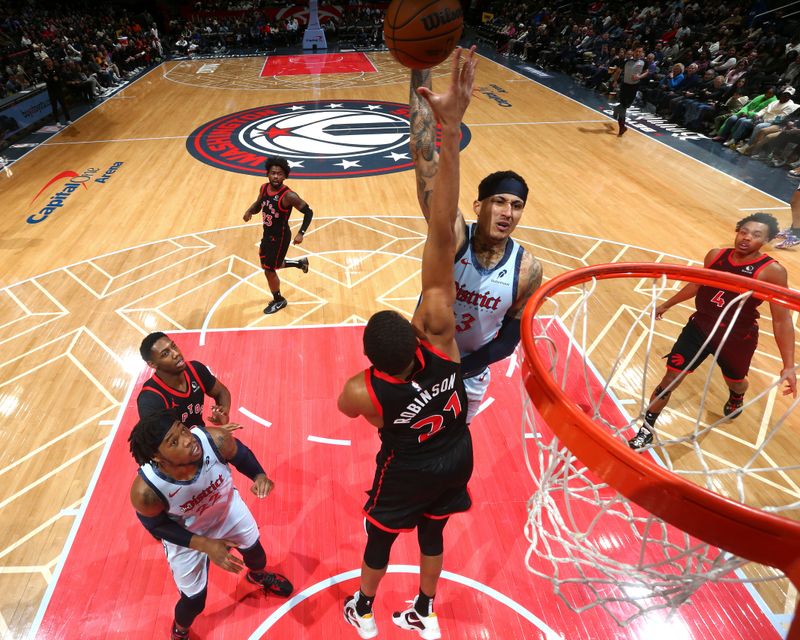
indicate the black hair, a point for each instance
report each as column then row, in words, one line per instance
column 277, row 161
column 764, row 218
column 148, row 434
column 146, row 348
column 389, row 342
column 488, row 184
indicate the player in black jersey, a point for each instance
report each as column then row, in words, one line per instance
column 745, row 259
column 414, row 394
column 179, row 384
column 276, row 201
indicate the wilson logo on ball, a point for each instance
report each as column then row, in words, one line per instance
column 421, row 33
column 343, row 139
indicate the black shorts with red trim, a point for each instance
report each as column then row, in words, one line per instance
column 734, row 357
column 405, row 490
column 273, row 249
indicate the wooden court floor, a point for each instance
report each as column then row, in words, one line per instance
column 159, row 244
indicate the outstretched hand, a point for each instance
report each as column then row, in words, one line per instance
column 449, row 107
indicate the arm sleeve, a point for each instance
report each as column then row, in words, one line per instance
column 245, row 461
column 501, row 346
column 308, row 214
column 149, row 402
column 162, row 527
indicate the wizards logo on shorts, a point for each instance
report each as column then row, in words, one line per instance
column 342, row 139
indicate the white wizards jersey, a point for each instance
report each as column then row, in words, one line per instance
column 204, row 503
column 483, row 296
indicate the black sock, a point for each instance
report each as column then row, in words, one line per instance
column 292, row 263
column 424, row 604
column 650, row 417
column 364, row 604
column 737, row 397
column 277, row 295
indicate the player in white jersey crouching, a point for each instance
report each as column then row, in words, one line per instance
column 494, row 275
column 184, row 496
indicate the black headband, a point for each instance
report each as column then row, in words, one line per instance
column 511, row 185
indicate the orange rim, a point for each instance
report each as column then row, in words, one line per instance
column 742, row 530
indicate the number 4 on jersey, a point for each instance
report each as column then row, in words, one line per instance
column 719, row 299
column 436, row 421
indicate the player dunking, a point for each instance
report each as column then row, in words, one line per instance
column 494, row 275
column 184, row 496
column 745, row 259
column 276, row 201
column 414, row 394
column 180, row 384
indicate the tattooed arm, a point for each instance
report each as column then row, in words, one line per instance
column 422, row 145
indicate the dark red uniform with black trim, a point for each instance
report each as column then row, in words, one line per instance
column 157, row 396
column 277, row 235
column 425, row 460
column 711, row 303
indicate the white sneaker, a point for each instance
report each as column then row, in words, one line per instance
column 365, row 625
column 426, row 626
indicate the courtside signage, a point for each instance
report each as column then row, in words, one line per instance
column 69, row 182
column 341, row 139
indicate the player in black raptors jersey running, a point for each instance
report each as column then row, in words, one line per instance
column 276, row 201
column 745, row 259
column 414, row 394
column 179, row 384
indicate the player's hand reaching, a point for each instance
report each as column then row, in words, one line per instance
column 660, row 311
column 219, row 552
column 449, row 107
column 219, row 415
column 789, row 375
column 262, row 486
column 298, row 239
column 246, row 217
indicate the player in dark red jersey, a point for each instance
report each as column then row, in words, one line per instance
column 414, row 394
column 745, row 259
column 179, row 384
column 276, row 201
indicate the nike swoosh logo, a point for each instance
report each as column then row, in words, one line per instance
column 173, row 493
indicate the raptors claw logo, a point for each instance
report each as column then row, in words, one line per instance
column 342, row 139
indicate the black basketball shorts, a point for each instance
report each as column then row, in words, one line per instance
column 404, row 491
column 273, row 249
column 734, row 358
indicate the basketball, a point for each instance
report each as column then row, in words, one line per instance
column 422, row 33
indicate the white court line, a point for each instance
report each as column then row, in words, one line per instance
column 485, row 405
column 344, row 443
column 253, row 416
column 53, row 144
column 403, row 568
column 510, row 124
column 512, row 364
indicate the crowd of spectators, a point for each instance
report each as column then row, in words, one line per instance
column 729, row 70
column 91, row 52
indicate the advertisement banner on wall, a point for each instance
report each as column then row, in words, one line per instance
column 24, row 112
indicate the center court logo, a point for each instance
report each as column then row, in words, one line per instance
column 342, row 139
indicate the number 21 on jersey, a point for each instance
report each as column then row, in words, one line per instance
column 436, row 421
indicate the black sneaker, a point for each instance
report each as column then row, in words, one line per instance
column 733, row 407
column 178, row 634
column 303, row 264
column 641, row 439
column 273, row 583
column 275, row 306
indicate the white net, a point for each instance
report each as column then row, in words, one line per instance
column 604, row 347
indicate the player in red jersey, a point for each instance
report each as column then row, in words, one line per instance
column 414, row 394
column 276, row 201
column 179, row 384
column 745, row 259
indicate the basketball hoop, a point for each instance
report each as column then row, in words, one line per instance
column 697, row 515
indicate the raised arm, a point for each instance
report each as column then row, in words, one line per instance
column 422, row 145
column 434, row 315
